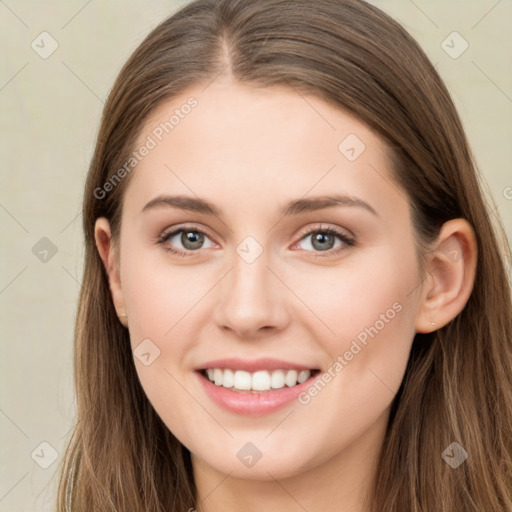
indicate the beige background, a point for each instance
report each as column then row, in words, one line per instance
column 50, row 113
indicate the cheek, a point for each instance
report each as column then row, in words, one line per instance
column 162, row 303
column 370, row 314
column 367, row 315
column 160, row 296
column 166, row 305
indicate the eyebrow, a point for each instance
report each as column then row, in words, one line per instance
column 294, row 207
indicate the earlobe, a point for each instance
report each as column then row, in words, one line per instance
column 108, row 255
column 452, row 267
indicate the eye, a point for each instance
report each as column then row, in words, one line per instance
column 323, row 239
column 191, row 239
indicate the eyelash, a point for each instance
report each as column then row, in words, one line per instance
column 347, row 241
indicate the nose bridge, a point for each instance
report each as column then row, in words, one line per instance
column 249, row 300
column 249, row 279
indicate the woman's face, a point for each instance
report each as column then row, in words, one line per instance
column 279, row 278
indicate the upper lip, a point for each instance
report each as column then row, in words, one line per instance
column 253, row 365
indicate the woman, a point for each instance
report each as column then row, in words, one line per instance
column 293, row 298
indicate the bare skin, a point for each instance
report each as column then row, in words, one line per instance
column 249, row 152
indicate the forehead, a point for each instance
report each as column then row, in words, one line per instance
column 254, row 115
column 233, row 140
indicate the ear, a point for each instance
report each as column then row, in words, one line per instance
column 452, row 268
column 106, row 248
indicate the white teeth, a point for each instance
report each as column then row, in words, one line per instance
column 261, row 380
column 229, row 379
column 303, row 376
column 218, row 376
column 291, row 378
column 277, row 379
column 242, row 380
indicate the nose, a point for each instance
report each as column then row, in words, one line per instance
column 251, row 299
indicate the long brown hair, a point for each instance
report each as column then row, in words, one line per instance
column 458, row 382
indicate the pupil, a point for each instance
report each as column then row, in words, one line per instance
column 191, row 239
column 321, row 238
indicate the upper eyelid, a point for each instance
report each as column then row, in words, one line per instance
column 174, row 231
column 325, row 227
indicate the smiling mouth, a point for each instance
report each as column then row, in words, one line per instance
column 261, row 381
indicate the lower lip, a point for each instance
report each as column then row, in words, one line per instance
column 253, row 404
